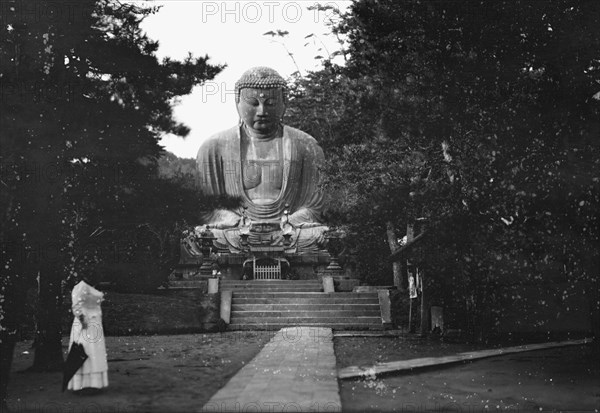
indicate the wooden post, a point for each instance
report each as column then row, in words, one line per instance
column 398, row 277
column 410, row 300
column 424, row 318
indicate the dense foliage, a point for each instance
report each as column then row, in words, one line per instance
column 84, row 103
column 482, row 118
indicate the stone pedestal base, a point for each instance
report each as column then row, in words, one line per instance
column 346, row 284
column 341, row 280
column 301, row 266
column 206, row 269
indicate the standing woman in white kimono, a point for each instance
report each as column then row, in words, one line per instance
column 87, row 330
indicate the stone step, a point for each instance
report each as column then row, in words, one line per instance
column 300, row 300
column 295, row 320
column 272, row 305
column 300, row 307
column 270, row 282
column 270, row 294
column 287, row 282
column 283, row 289
column 307, row 313
column 278, row 326
column 262, row 284
column 272, row 286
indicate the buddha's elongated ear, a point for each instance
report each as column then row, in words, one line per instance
column 285, row 102
column 284, row 94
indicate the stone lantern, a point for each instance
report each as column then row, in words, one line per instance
column 335, row 247
column 206, row 239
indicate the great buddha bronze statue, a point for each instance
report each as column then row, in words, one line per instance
column 271, row 167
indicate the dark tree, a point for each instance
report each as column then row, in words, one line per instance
column 86, row 102
column 487, row 113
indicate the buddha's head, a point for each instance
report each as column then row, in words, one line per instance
column 260, row 100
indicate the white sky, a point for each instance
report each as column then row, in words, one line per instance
column 231, row 32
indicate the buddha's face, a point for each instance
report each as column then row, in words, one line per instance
column 261, row 109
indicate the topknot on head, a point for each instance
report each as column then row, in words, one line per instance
column 260, row 77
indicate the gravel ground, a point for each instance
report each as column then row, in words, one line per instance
column 367, row 351
column 562, row 379
column 176, row 373
column 180, row 373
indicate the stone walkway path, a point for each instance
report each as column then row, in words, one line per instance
column 294, row 372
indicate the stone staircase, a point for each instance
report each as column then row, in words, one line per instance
column 274, row 304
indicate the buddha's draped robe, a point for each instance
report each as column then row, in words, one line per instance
column 221, row 167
